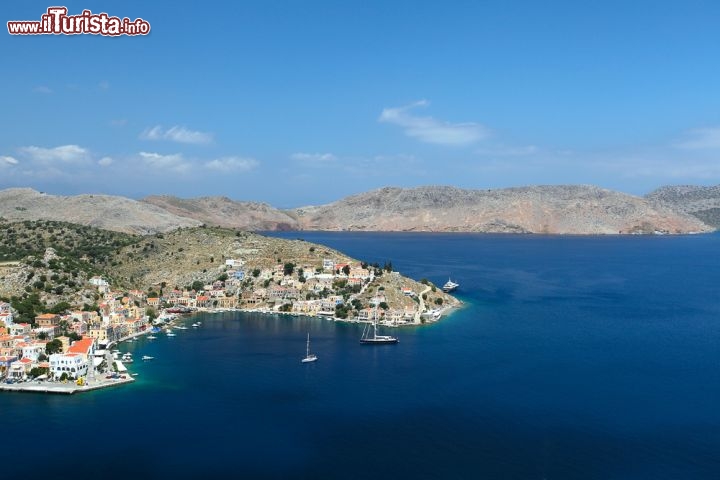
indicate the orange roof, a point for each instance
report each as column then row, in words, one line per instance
column 25, row 360
column 153, row 298
column 46, row 315
column 81, row 346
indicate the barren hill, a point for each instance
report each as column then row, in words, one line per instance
column 701, row 202
column 102, row 211
column 224, row 212
column 571, row 209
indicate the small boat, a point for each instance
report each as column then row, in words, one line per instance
column 309, row 357
column 127, row 358
column 450, row 286
column 170, row 334
column 147, row 357
column 195, row 325
column 151, row 337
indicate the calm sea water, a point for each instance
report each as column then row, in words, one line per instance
column 573, row 357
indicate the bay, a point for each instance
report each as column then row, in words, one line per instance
column 572, row 357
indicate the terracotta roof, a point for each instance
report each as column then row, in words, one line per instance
column 81, row 346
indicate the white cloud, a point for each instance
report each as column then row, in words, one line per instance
column 314, row 158
column 701, row 139
column 105, row 161
column 175, row 162
column 430, row 130
column 4, row 161
column 176, row 134
column 232, row 164
column 64, row 153
column 42, row 89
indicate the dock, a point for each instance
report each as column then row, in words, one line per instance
column 68, row 388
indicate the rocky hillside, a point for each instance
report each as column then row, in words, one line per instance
column 571, row 209
column 103, row 211
column 224, row 212
column 47, row 264
column 700, row 202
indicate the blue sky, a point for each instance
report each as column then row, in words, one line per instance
column 296, row 103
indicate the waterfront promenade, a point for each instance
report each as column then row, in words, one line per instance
column 67, row 388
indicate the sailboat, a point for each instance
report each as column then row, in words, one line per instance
column 309, row 357
column 375, row 339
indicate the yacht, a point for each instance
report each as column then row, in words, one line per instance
column 450, row 286
column 375, row 339
column 147, row 357
column 309, row 357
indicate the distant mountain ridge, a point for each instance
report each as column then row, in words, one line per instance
column 556, row 209
column 700, row 202
column 108, row 212
column 224, row 212
column 561, row 209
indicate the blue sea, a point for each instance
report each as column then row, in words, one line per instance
column 572, row 358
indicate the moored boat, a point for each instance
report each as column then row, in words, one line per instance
column 450, row 286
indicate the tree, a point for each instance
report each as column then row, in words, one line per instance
column 388, row 266
column 42, row 336
column 346, row 269
column 438, row 301
column 256, row 272
column 223, row 277
column 60, row 307
column 288, row 268
column 384, row 305
column 53, row 346
column 197, row 285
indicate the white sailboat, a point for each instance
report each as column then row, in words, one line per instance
column 309, row 357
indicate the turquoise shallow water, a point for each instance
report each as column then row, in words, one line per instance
column 573, row 357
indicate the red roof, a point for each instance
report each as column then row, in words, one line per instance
column 81, row 346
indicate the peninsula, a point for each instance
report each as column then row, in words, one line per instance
column 67, row 289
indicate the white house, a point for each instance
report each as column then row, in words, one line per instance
column 328, row 264
column 98, row 282
column 6, row 318
column 33, row 350
column 234, row 263
column 71, row 363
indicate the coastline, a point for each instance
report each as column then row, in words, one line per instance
column 65, row 388
column 436, row 315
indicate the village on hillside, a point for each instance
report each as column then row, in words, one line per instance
column 71, row 345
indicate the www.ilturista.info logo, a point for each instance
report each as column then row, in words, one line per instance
column 57, row 22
